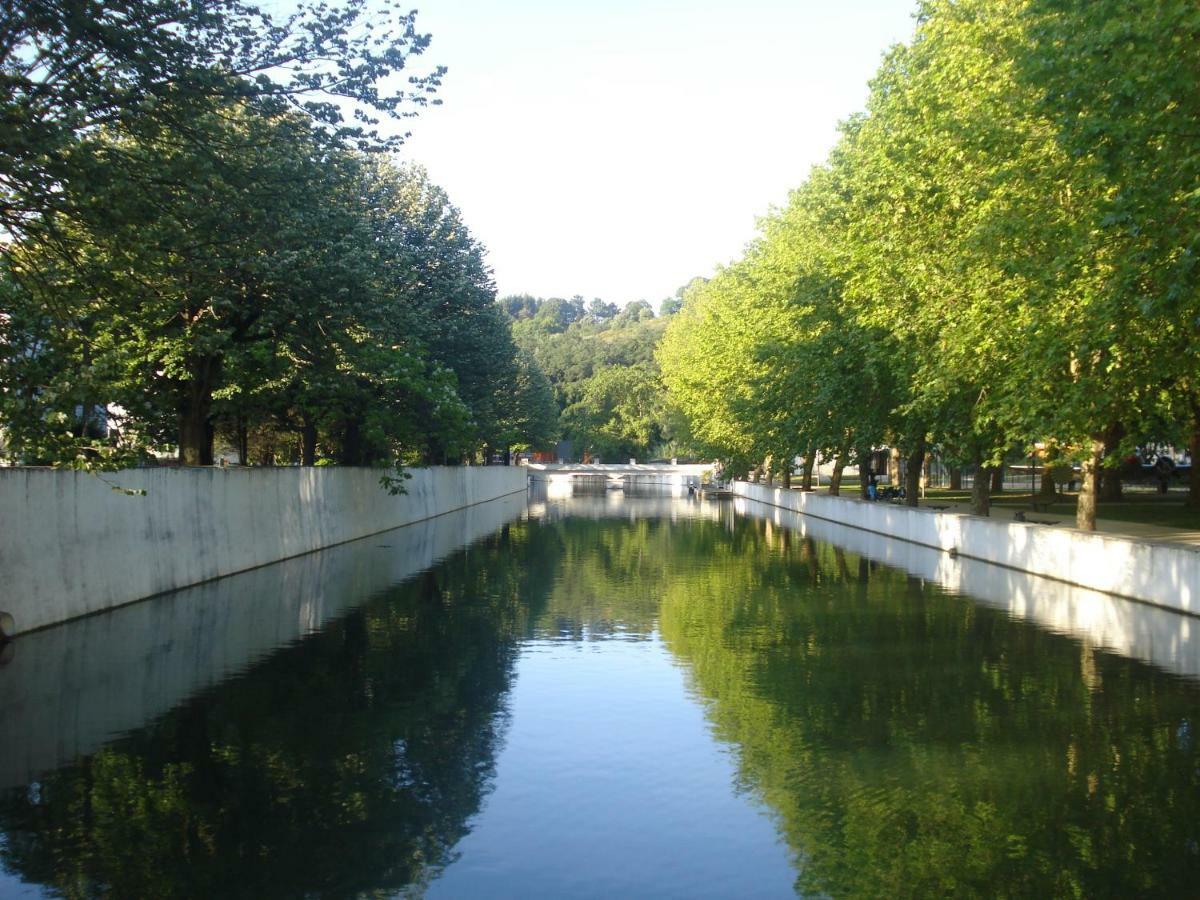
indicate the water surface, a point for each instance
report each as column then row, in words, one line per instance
column 611, row 696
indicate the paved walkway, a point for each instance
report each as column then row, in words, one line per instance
column 1137, row 530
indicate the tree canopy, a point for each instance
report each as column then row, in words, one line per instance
column 998, row 253
column 201, row 250
column 70, row 68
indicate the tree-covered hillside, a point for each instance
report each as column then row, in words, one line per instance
column 600, row 360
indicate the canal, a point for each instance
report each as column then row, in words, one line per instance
column 607, row 696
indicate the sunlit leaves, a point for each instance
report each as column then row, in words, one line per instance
column 1003, row 246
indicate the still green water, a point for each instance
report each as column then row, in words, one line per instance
column 641, row 698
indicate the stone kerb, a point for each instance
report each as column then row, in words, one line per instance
column 1161, row 573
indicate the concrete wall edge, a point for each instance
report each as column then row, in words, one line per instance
column 1158, row 573
column 79, row 547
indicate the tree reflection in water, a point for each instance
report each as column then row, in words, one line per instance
column 915, row 743
column 345, row 764
column 911, row 742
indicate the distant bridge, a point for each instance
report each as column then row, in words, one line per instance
column 623, row 477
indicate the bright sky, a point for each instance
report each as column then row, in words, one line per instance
column 617, row 149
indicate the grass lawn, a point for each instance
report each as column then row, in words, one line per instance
column 1138, row 506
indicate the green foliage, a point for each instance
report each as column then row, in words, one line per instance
column 1000, row 252
column 602, row 366
column 906, row 741
column 347, row 764
column 199, row 245
column 914, row 743
column 533, row 421
column 278, row 279
column 618, row 414
column 68, row 69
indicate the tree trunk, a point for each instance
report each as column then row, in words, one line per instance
column 351, row 450
column 894, row 467
column 85, row 404
column 956, row 479
column 243, row 440
column 1110, row 485
column 810, row 459
column 997, row 475
column 769, row 471
column 81, row 429
column 786, row 478
column 981, row 501
column 835, row 480
column 1048, row 491
column 308, row 444
column 195, row 429
column 912, row 479
column 1193, row 499
column 195, row 449
column 1110, row 477
column 1085, row 512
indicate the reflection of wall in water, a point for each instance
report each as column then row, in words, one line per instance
column 545, row 503
column 1159, row 572
column 1149, row 633
column 70, row 688
column 81, row 548
column 639, row 488
column 349, row 763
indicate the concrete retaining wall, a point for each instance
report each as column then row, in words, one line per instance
column 71, row 545
column 1153, row 634
column 65, row 691
column 1164, row 574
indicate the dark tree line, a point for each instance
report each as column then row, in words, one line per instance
column 205, row 247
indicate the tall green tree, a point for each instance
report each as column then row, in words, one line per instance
column 435, row 275
column 69, row 68
column 1116, row 80
column 618, row 414
column 171, row 290
column 532, row 421
column 275, row 277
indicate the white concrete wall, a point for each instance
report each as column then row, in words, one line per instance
column 71, row 545
column 67, row 690
column 1162, row 637
column 1164, row 574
